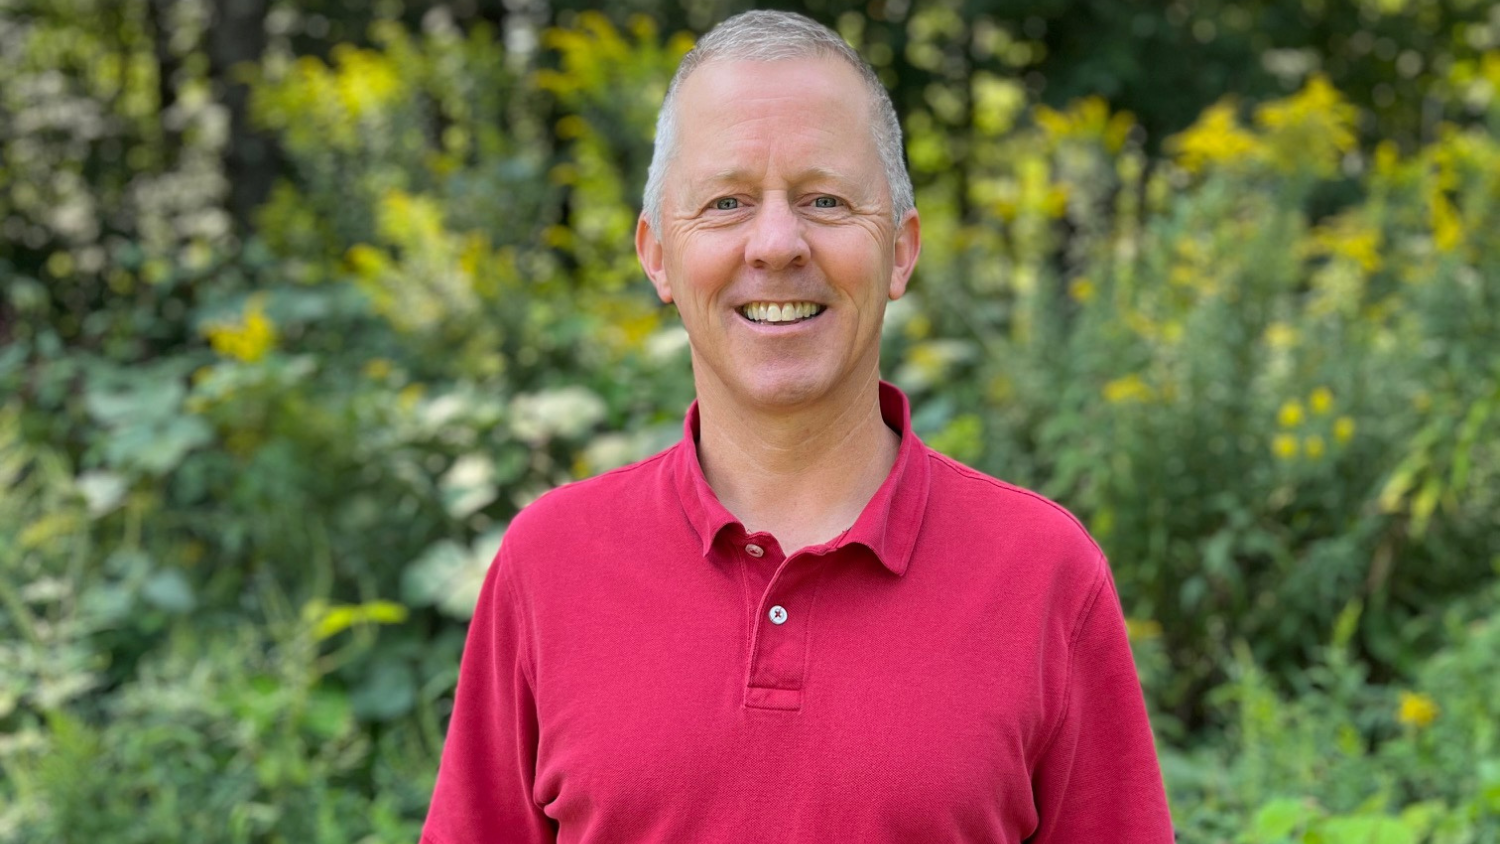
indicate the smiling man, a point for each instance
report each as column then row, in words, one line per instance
column 799, row 624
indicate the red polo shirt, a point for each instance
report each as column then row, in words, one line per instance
column 954, row 667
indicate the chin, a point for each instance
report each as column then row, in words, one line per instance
column 771, row 383
column 788, row 392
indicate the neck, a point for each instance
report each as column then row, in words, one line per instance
column 803, row 475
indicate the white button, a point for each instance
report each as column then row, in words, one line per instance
column 778, row 614
column 755, row 550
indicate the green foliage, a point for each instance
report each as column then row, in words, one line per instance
column 255, row 475
column 219, row 732
column 1257, row 378
column 1343, row 759
column 230, row 739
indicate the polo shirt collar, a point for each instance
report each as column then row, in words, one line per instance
column 887, row 526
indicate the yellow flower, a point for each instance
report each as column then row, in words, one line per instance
column 1082, row 290
column 571, row 126
column 1387, row 159
column 377, row 369
column 1290, row 415
column 366, row 80
column 1216, row 138
column 1279, row 335
column 1086, row 119
column 247, row 340
column 1349, row 238
column 1321, row 400
column 1313, row 126
column 410, row 395
column 332, row 102
column 1313, row 446
column 1183, row 276
column 365, row 260
column 1447, row 229
column 996, row 103
column 918, row 327
column 1343, row 429
column 1127, row 389
column 1417, row 709
column 1285, row 446
column 1141, row 629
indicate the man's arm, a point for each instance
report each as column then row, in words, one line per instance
column 1099, row 779
column 484, row 784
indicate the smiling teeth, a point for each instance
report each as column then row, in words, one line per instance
column 776, row 313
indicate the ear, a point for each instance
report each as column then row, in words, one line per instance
column 648, row 250
column 904, row 254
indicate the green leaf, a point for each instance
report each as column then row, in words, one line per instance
column 1368, row 830
column 167, row 589
column 1489, row 783
column 389, row 690
column 329, row 714
column 331, row 621
column 102, row 490
column 1279, row 818
column 1347, row 623
column 141, row 396
column 469, row 485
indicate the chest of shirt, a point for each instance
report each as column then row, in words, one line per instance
column 823, row 692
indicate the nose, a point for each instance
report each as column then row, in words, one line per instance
column 776, row 236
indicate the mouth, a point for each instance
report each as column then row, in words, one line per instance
column 780, row 313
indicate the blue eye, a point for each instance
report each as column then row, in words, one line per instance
column 726, row 203
column 825, row 202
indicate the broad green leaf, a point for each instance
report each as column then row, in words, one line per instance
column 388, row 691
column 1279, row 818
column 169, row 590
column 1367, row 830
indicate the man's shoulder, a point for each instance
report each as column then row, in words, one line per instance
column 995, row 510
column 627, row 494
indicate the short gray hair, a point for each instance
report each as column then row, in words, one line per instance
column 774, row 36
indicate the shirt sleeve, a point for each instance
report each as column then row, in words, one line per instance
column 1099, row 779
column 485, row 778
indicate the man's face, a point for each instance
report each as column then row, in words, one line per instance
column 776, row 201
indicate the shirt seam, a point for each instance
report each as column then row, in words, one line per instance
column 1083, row 618
column 522, row 623
column 812, row 604
column 750, row 618
column 618, row 470
column 975, row 475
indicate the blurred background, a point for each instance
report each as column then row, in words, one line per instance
column 301, row 302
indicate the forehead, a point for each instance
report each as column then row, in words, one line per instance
column 810, row 111
column 809, row 76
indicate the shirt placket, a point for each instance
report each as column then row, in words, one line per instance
column 781, row 615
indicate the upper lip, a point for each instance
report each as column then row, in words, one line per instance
column 779, row 301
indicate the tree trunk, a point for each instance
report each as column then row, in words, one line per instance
column 238, row 34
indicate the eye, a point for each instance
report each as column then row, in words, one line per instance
column 726, row 203
column 826, row 202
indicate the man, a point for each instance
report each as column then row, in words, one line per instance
column 799, row 624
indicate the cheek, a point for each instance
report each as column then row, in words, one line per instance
column 861, row 267
column 700, row 269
